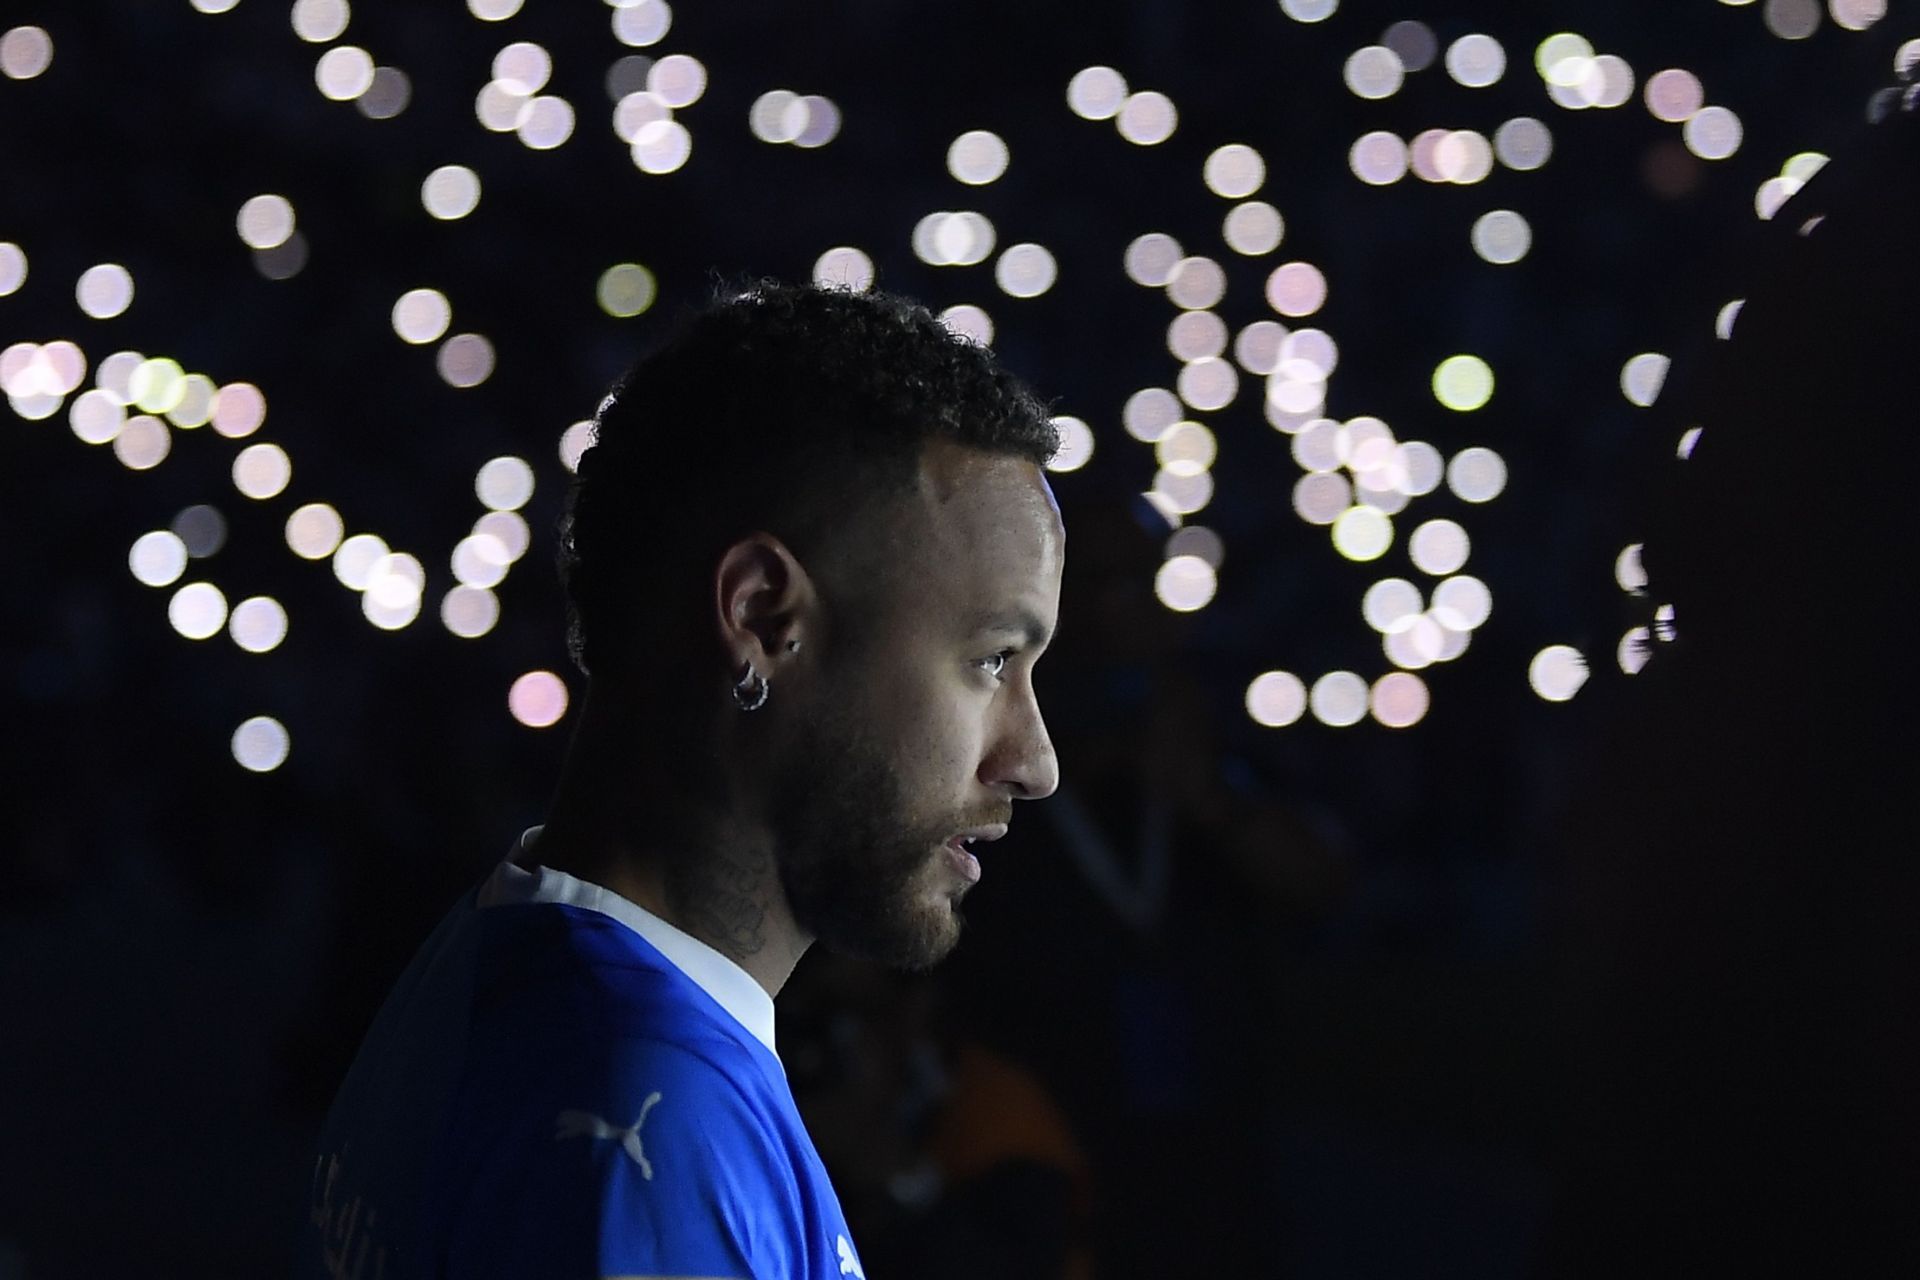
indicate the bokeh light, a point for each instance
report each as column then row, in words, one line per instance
column 641, row 23
column 504, row 484
column 261, row 744
column 1477, row 474
column 158, row 558
column 1461, row 603
column 1096, row 93
column 1523, row 144
column 261, row 471
column 258, row 624
column 142, row 443
column 1309, row 10
column 197, row 610
column 1792, row 19
column 1339, row 698
column 202, row 530
column 450, row 192
column 13, row 267
column 1374, row 72
column 1076, row 444
column 970, row 321
column 354, row 558
column 387, row 96
column 1439, row 547
column 344, row 72
column 538, row 699
column 1463, row 383
column 320, row 21
column 845, row 267
column 1234, row 171
column 421, row 316
column 1476, row 60
column 1196, row 283
column 265, row 221
column 465, row 360
column 1185, row 583
column 1674, row 95
column 1379, row 158
column 1276, row 699
column 1557, row 672
column 1642, row 377
column 1391, row 605
column 469, row 612
column 1147, row 118
column 1501, row 236
column 25, row 52
column 1296, row 289
column 1713, row 133
column 314, row 531
column 105, row 290
column 661, row 146
column 626, row 289
column 1362, row 533
column 1025, row 271
column 1399, row 699
column 238, row 410
column 977, row 157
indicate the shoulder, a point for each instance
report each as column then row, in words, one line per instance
column 659, row 1158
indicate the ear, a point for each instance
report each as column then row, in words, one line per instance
column 763, row 598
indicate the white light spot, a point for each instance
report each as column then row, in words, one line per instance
column 465, row 360
column 1476, row 60
column 197, row 610
column 1025, row 271
column 1374, row 72
column 258, row 624
column 1147, row 118
column 977, row 157
column 845, row 268
column 504, row 484
column 158, row 558
column 314, row 530
column 1557, row 672
column 261, row 743
column 1400, row 699
column 1461, row 603
column 1362, row 533
column 1096, row 93
column 1477, row 474
column 1642, row 377
column 1339, row 698
column 1439, row 547
column 538, row 699
column 1276, row 699
column 261, row 471
column 105, row 290
column 1234, row 171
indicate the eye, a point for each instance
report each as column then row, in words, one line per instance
column 1001, row 658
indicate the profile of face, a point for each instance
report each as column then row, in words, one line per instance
column 924, row 723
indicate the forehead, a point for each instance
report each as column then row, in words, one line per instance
column 986, row 535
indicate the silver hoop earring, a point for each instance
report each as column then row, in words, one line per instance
column 750, row 693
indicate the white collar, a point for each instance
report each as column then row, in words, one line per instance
column 732, row 988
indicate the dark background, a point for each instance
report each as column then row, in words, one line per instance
column 1330, row 1047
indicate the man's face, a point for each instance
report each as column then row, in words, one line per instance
column 925, row 723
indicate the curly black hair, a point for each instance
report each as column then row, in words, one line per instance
column 774, row 407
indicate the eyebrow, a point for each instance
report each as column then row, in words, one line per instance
column 1019, row 621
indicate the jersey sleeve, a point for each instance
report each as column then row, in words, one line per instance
column 657, row 1164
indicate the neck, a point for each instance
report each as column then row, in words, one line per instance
column 706, row 873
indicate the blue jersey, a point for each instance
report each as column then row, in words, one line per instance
column 563, row 1085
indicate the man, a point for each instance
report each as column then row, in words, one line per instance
column 811, row 560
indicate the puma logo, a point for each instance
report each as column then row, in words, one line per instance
column 572, row 1124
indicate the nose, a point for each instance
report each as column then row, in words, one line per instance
column 1021, row 758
